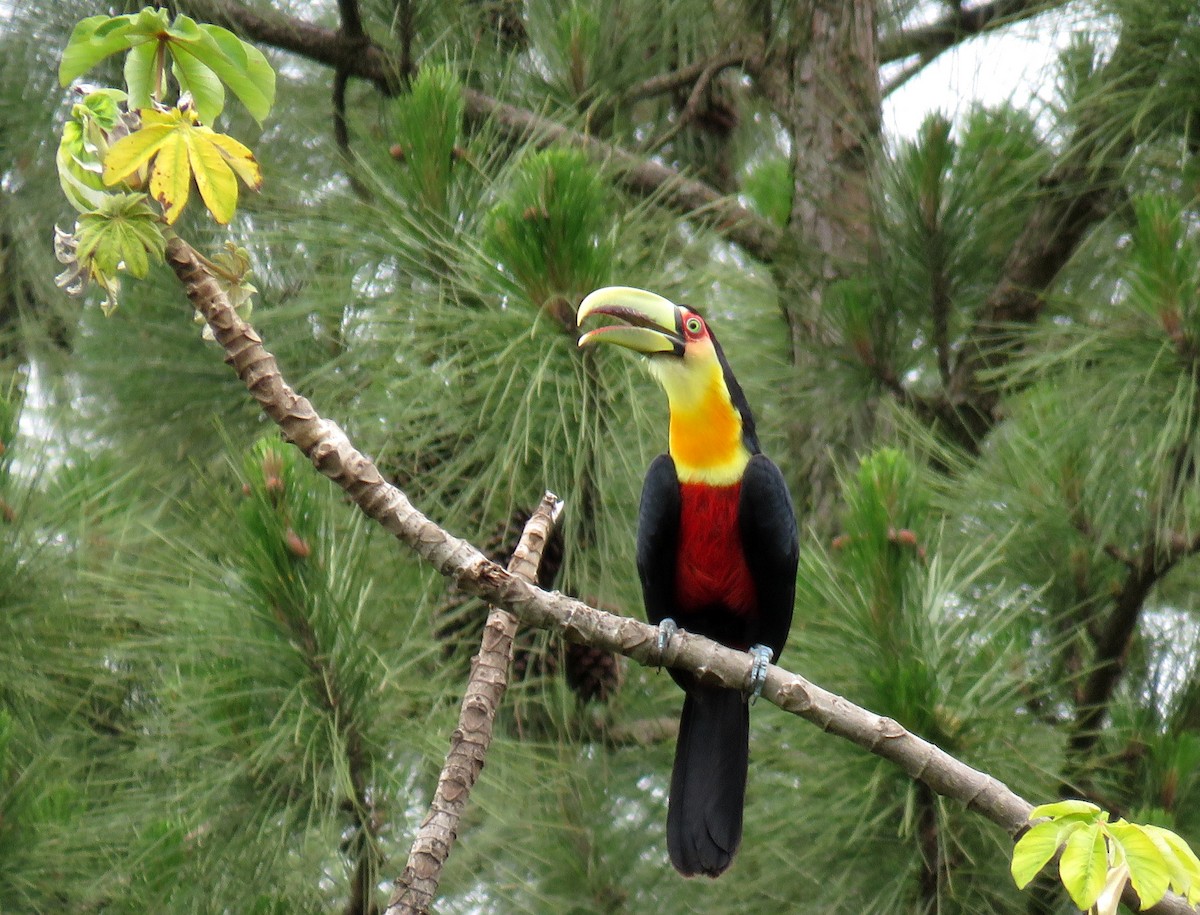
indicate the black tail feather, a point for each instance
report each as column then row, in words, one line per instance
column 708, row 783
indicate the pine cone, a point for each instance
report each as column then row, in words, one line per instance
column 593, row 673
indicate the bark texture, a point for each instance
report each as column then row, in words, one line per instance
column 825, row 90
column 417, row 887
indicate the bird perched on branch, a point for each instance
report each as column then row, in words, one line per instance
column 717, row 551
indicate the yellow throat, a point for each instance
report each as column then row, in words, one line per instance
column 706, row 429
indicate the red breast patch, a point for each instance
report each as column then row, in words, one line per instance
column 710, row 567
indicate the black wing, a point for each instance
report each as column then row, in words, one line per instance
column 771, row 545
column 658, row 538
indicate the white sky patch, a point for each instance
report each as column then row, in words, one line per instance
column 1014, row 64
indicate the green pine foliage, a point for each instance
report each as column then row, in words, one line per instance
column 223, row 690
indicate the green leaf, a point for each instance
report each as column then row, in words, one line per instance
column 1148, row 871
column 208, row 95
column 92, row 40
column 1033, row 851
column 205, row 59
column 142, row 76
column 1063, row 808
column 123, row 232
column 104, row 107
column 1084, row 865
column 82, row 185
column 241, row 66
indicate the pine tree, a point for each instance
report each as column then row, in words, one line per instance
column 973, row 352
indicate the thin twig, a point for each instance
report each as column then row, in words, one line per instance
column 663, row 83
column 351, row 30
column 907, row 73
column 677, row 79
column 1115, row 631
column 405, row 24
column 332, row 453
column 1080, row 189
column 689, row 109
column 417, row 887
column 1109, row 659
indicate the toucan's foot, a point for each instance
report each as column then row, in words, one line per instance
column 667, row 630
column 758, row 671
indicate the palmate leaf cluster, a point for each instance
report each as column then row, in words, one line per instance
column 221, row 690
column 1098, row 858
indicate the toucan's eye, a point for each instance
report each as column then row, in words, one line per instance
column 693, row 325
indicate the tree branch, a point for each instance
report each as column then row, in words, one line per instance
column 417, row 887
column 668, row 82
column 644, row 177
column 688, row 112
column 332, row 453
column 1079, row 191
column 405, row 24
column 958, row 25
column 1112, row 642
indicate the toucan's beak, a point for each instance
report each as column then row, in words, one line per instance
column 651, row 325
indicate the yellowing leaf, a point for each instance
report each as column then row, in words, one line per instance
column 1181, row 861
column 130, row 153
column 240, row 159
column 1084, row 865
column 170, row 178
column 215, row 179
column 178, row 152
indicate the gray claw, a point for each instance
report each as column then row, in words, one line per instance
column 758, row 670
column 667, row 630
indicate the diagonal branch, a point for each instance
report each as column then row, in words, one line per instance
column 1113, row 635
column 957, row 25
column 685, row 76
column 417, row 887
column 1078, row 192
column 332, row 453
column 1154, row 561
column 703, row 81
column 644, row 177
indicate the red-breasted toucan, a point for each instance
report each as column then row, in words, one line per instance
column 717, row 549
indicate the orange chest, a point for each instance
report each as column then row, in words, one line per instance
column 710, row 567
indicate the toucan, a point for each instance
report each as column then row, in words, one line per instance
column 717, row 549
